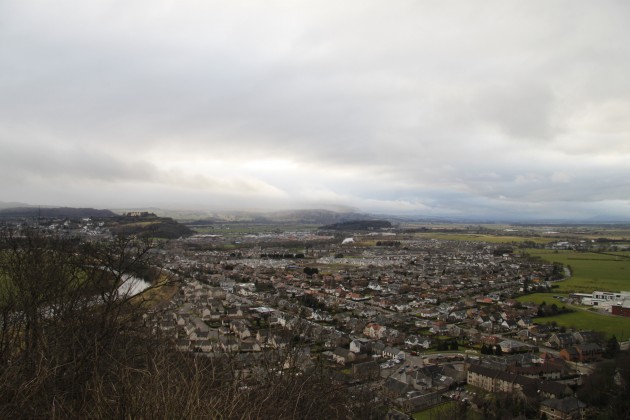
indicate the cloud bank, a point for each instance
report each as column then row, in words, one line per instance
column 497, row 109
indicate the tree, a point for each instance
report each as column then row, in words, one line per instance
column 612, row 348
column 309, row 271
column 73, row 344
column 607, row 387
column 68, row 316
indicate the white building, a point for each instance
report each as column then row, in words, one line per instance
column 603, row 299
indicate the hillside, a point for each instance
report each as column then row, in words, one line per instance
column 308, row 216
column 53, row 212
column 359, row 225
column 148, row 225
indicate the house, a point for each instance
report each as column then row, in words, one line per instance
column 587, row 337
column 394, row 388
column 394, row 353
column 356, row 346
column 183, row 344
column 428, row 313
column 277, row 341
column 524, row 322
column 553, row 389
column 419, row 400
column 343, row 356
column 393, row 336
column 240, row 328
column 548, row 371
column 378, row 347
column 204, row 346
column 561, row 340
column 453, row 330
column 229, row 343
column 374, row 330
column 439, row 328
column 569, row 354
column 583, row 353
column 566, row 408
column 418, row 341
column 457, row 315
column 490, row 340
column 250, row 345
column 621, row 308
column 321, row 316
column 509, row 324
column 366, row 370
column 589, row 352
column 493, row 380
column 512, row 346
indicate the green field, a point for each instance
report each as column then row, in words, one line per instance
column 435, row 412
column 538, row 298
column 591, row 271
column 497, row 239
column 444, row 410
column 252, row 228
column 587, row 320
column 582, row 318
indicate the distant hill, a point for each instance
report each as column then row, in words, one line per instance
column 53, row 212
column 5, row 205
column 310, row 216
column 200, row 222
column 359, row 225
column 148, row 225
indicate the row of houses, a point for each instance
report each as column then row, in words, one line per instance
column 556, row 398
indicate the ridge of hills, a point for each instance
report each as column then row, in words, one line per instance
column 53, row 212
column 359, row 225
column 308, row 216
column 141, row 224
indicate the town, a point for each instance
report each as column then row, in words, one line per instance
column 422, row 322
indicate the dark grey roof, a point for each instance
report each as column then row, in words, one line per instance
column 566, row 405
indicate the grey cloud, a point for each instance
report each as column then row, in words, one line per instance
column 520, row 110
column 420, row 105
column 50, row 161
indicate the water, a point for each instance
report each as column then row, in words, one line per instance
column 132, row 286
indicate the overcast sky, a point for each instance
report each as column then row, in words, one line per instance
column 498, row 109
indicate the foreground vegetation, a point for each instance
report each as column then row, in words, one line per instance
column 73, row 346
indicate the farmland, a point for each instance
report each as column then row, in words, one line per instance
column 582, row 317
column 490, row 238
column 547, row 298
column 587, row 320
column 590, row 271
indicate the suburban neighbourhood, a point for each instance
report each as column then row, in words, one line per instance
column 419, row 321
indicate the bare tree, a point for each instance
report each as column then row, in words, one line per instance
column 73, row 344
